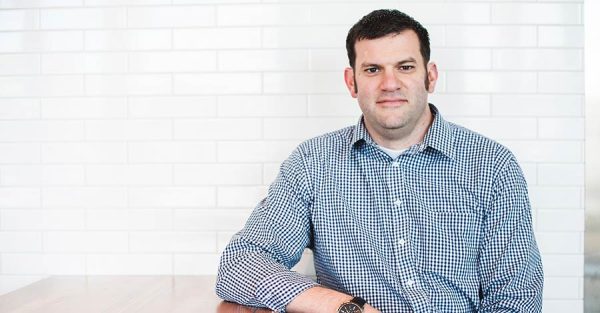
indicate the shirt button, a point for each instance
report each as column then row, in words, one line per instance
column 395, row 164
column 402, row 242
column 398, row 202
column 409, row 283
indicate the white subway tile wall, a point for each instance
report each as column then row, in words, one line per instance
column 136, row 136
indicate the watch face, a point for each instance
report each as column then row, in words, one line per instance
column 349, row 308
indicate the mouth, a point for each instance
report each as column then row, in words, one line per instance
column 391, row 102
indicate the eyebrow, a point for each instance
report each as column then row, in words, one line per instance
column 402, row 62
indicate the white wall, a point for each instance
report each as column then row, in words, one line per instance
column 136, row 136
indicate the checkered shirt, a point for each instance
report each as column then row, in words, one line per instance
column 444, row 227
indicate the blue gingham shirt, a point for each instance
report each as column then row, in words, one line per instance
column 444, row 227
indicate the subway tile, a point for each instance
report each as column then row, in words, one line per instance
column 501, row 128
column 170, row 242
column 142, row 84
column 19, row 109
column 254, row 151
column 84, row 197
column 11, row 20
column 19, row 64
column 59, row 219
column 168, row 197
column 20, row 241
column 561, row 82
column 538, row 59
column 218, row 174
column 20, row 197
column 538, row 105
column 36, row 175
column 150, row 219
column 129, row 264
column 55, row 175
column 39, row 86
column 103, row 219
column 217, row 83
column 21, row 263
column 556, row 197
column 451, row 105
column 172, row 152
column 196, row 264
column 536, row 13
column 240, row 197
column 333, row 106
column 216, row 38
column 214, row 1
column 263, row 14
column 89, row 62
column 263, row 60
column 561, row 128
column 14, row 4
column 23, row 153
column 304, row 37
column 171, row 17
column 491, row 36
column 118, row 130
column 561, row 174
column 172, row 106
column 562, row 265
column 85, row 241
column 560, row 36
column 217, row 129
column 128, row 174
column 557, row 151
column 84, row 152
column 131, row 39
column 562, row 288
column 304, row 83
column 83, row 108
column 209, row 220
column 261, row 105
column 494, row 82
column 462, row 59
column 557, row 220
column 83, row 18
column 270, row 172
column 64, row 264
column 19, row 219
column 24, row 131
column 34, row 41
column 560, row 242
column 173, row 61
column 328, row 59
column 304, row 128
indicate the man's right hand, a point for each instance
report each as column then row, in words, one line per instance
column 321, row 300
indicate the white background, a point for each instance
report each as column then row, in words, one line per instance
column 136, row 136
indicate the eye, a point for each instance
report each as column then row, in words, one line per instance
column 371, row 70
column 406, row 68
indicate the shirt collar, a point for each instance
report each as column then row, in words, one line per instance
column 439, row 136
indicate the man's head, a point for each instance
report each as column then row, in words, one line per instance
column 381, row 23
column 391, row 76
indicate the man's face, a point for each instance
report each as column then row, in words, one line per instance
column 389, row 83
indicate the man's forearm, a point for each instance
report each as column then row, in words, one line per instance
column 321, row 300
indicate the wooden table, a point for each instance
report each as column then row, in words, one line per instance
column 122, row 294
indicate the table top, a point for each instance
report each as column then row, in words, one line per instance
column 123, row 294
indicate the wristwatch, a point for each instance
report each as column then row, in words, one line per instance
column 356, row 305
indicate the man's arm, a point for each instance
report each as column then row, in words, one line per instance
column 510, row 265
column 319, row 299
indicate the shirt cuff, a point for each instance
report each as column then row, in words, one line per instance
column 278, row 290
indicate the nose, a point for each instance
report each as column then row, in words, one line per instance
column 389, row 81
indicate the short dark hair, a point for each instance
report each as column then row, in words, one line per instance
column 381, row 23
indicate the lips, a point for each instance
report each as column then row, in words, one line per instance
column 391, row 101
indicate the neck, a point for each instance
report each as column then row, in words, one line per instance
column 404, row 137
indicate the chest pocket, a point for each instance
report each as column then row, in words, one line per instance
column 446, row 229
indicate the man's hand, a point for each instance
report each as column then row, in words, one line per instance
column 321, row 300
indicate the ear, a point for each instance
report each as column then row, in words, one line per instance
column 432, row 76
column 349, row 79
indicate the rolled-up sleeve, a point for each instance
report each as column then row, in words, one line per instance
column 255, row 266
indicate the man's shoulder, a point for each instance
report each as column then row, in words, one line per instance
column 330, row 142
column 472, row 144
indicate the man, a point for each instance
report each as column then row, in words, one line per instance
column 404, row 211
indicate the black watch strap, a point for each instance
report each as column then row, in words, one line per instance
column 359, row 301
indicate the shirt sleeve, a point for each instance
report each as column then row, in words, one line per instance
column 510, row 264
column 255, row 266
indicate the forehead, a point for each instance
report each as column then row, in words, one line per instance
column 394, row 46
